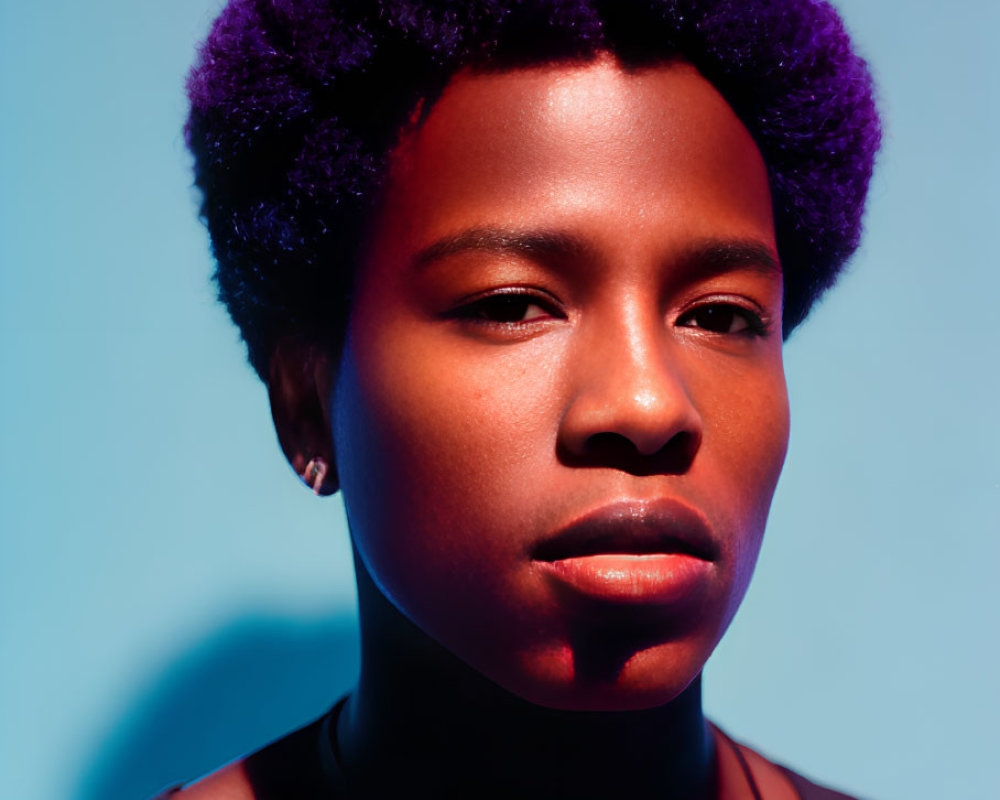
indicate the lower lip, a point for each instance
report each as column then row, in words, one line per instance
column 655, row 578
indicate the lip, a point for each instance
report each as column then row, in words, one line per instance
column 658, row 553
column 638, row 527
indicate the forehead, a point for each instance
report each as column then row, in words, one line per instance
column 579, row 148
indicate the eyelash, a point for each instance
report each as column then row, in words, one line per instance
column 477, row 311
column 757, row 324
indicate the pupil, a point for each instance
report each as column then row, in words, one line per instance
column 718, row 319
column 506, row 309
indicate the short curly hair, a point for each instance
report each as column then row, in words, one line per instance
column 297, row 104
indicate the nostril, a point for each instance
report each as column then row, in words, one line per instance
column 610, row 447
column 615, row 451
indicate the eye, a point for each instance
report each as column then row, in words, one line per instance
column 507, row 308
column 725, row 318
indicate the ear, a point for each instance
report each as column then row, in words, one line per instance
column 299, row 387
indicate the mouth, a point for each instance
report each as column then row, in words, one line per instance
column 659, row 553
column 666, row 527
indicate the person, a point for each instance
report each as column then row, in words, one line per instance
column 517, row 275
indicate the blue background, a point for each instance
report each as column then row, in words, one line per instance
column 169, row 594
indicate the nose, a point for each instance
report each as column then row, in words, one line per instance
column 629, row 406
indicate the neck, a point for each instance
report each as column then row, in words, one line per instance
column 422, row 719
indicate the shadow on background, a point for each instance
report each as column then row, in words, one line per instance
column 254, row 681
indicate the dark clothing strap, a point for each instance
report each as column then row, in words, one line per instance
column 305, row 766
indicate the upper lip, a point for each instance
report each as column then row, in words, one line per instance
column 640, row 527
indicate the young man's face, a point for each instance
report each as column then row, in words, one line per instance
column 561, row 412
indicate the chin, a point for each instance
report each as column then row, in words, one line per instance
column 567, row 680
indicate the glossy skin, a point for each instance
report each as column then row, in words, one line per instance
column 607, row 211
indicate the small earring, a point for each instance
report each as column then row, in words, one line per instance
column 315, row 474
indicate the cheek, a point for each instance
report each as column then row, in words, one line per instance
column 450, row 440
column 745, row 411
column 745, row 446
column 440, row 409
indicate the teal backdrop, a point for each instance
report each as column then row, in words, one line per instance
column 170, row 596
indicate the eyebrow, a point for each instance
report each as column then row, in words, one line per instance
column 710, row 256
column 495, row 240
column 715, row 256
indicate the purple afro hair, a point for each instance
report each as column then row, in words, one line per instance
column 295, row 105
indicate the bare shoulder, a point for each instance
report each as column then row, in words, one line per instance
column 228, row 783
column 735, row 759
column 290, row 768
column 772, row 782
